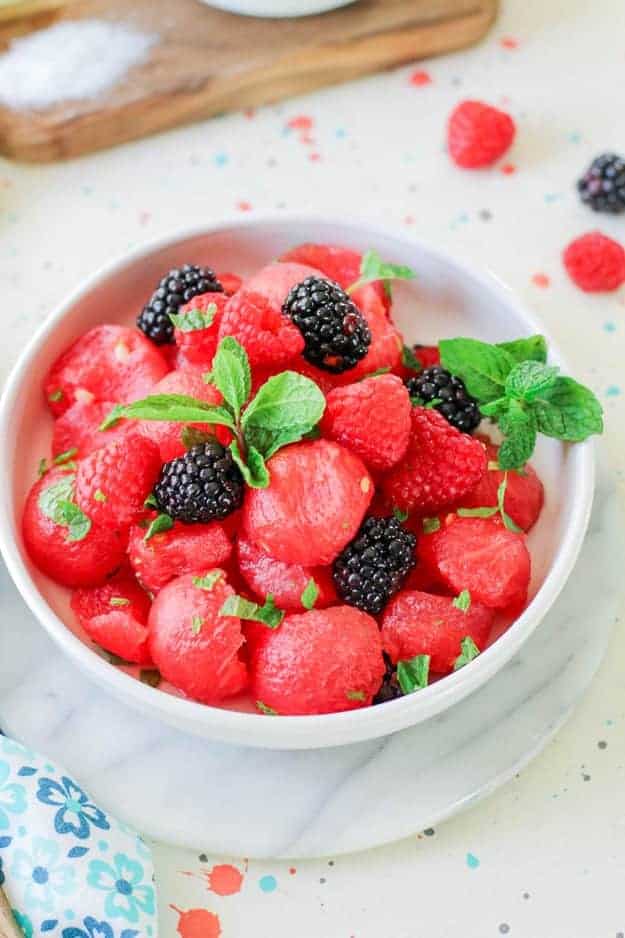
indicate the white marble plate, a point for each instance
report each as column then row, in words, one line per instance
column 259, row 803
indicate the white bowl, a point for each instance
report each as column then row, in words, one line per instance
column 277, row 9
column 446, row 300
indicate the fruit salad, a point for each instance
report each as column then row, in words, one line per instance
column 261, row 493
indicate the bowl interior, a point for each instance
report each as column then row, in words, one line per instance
column 446, row 300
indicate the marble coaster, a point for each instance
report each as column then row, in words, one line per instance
column 260, row 803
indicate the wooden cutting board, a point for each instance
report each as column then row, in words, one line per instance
column 207, row 62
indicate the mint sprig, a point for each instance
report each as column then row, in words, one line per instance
column 468, row 651
column 372, row 267
column 413, row 674
column 489, row 510
column 194, row 319
column 56, row 502
column 268, row 613
column 516, row 389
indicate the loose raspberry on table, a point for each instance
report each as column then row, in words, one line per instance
column 478, row 134
column 595, row 262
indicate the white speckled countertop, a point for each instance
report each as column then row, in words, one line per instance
column 545, row 856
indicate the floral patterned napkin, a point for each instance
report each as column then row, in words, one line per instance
column 68, row 869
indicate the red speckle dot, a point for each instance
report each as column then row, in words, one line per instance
column 250, row 112
column 301, row 122
column 420, row 77
column 508, row 169
column 144, row 217
column 244, row 206
column 509, row 42
column 307, row 140
column 409, row 220
column 541, row 280
column 292, row 870
column 314, row 157
column 197, row 923
column 224, row 879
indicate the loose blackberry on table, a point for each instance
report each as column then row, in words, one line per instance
column 602, row 186
column 203, row 485
column 389, row 688
column 451, row 396
column 336, row 333
column 175, row 289
column 374, row 565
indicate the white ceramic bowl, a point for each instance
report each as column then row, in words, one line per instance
column 277, row 9
column 446, row 300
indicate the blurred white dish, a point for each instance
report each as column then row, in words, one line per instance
column 277, row 8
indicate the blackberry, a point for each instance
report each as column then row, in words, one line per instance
column 336, row 333
column 374, row 565
column 602, row 186
column 175, row 289
column 389, row 688
column 200, row 486
column 454, row 402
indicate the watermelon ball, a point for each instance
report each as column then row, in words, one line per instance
column 79, row 428
column 418, row 623
column 314, row 504
column 194, row 647
column 63, row 542
column 115, row 616
column 321, row 661
column 524, row 496
column 285, row 581
column 184, row 548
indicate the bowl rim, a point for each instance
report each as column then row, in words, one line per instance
column 290, row 732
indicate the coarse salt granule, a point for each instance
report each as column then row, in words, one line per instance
column 72, row 60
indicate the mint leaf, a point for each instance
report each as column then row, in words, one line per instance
column 409, row 359
column 377, row 373
column 469, row 651
column 483, row 367
column 196, row 624
column 243, row 608
column 193, row 436
column 494, row 409
column 177, row 408
column 207, row 581
column 150, row 501
column 430, row 525
column 160, row 524
column 372, row 267
column 99, row 496
column 231, row 374
column 56, row 503
column 310, row 594
column 505, row 517
column 518, row 425
column 42, row 468
column 65, row 457
column 529, row 379
column 194, row 319
column 400, row 514
column 533, row 348
column 413, row 675
column 568, row 411
column 55, row 396
column 254, row 471
column 463, row 601
column 75, row 520
column 286, row 408
column 119, row 601
column 486, row 512
column 268, row 711
column 356, row 695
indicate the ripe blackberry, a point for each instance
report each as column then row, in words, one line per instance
column 336, row 333
column 389, row 688
column 602, row 186
column 374, row 565
column 175, row 289
column 454, row 402
column 200, row 486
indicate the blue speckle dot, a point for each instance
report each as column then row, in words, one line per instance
column 612, row 391
column 22, row 831
column 268, row 883
column 552, row 197
column 340, row 132
column 609, row 326
column 103, row 845
column 472, row 861
column 575, row 137
column 221, row 159
column 69, row 914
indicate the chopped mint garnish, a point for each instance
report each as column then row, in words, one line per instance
column 376, row 374
column 490, row 510
column 356, row 695
column 150, row 501
column 372, row 267
column 310, row 594
column 463, row 601
column 42, row 468
column 413, row 675
column 400, row 514
column 99, row 496
column 194, row 319
column 55, row 396
column 469, row 651
column 56, row 503
column 207, row 581
column 160, row 524
column 119, row 601
column 409, row 359
column 65, row 457
column 430, row 525
column 268, row 711
column 243, row 608
column 196, row 624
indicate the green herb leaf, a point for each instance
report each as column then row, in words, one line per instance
column 413, row 675
column 150, row 501
column 483, row 367
column 401, row 515
column 409, row 359
column 196, row 624
column 505, row 517
column 207, row 581
column 193, row 436
column 568, row 411
column 518, row 424
column 533, row 348
column 119, row 601
column 377, row 373
column 42, row 468
column 194, row 319
column 243, row 608
column 56, row 503
column 99, row 496
column 150, row 676
column 286, row 408
column 75, row 520
column 529, row 379
column 430, row 525
column 310, row 594
column 463, row 601
column 55, row 396
column 268, row 711
column 356, row 695
column 372, row 267
column 469, row 651
column 231, row 374
column 254, row 471
column 65, row 457
column 177, row 408
column 161, row 523
column 486, row 512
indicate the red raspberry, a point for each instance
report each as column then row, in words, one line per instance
column 78, row 428
column 85, row 562
column 478, row 134
column 524, row 496
column 371, row 418
column 198, row 346
column 113, row 482
column 185, row 548
column 318, row 495
column 194, row 647
column 440, row 467
column 340, row 264
column 418, row 623
column 321, row 661
column 168, row 435
column 285, row 581
column 108, row 363
column 427, row 355
column 481, row 555
column 115, row 616
column 268, row 337
column 230, row 282
column 595, row 263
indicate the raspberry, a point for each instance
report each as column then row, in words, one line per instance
column 417, row 623
column 481, row 555
column 268, row 337
column 176, row 288
column 197, row 341
column 321, row 661
column 595, row 263
column 115, row 616
column 78, row 428
column 84, row 562
column 113, row 482
column 524, row 496
column 602, row 186
column 452, row 399
column 478, row 134
column 183, row 549
column 337, row 263
column 108, row 363
column 194, row 647
column 203, row 485
column 317, row 497
column 441, row 465
column 168, row 435
column 371, row 418
column 285, row 581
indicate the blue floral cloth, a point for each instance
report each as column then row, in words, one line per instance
column 68, row 869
